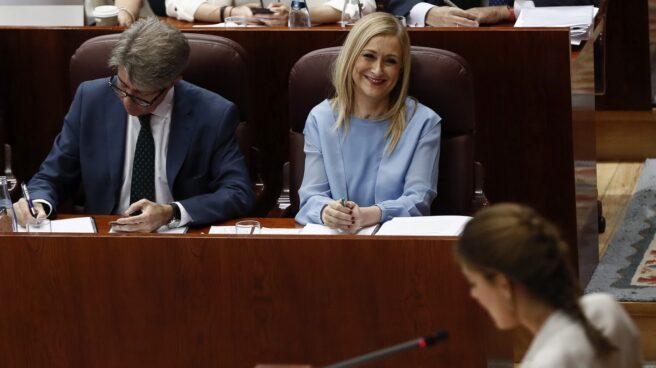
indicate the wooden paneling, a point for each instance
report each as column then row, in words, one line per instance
column 627, row 64
column 201, row 301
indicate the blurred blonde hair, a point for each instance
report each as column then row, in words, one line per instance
column 370, row 26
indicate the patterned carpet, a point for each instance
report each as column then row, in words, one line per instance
column 628, row 269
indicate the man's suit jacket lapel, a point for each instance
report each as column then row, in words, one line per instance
column 180, row 133
column 115, row 127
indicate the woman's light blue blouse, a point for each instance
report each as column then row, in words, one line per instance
column 354, row 164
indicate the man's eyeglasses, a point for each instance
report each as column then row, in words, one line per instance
column 138, row 100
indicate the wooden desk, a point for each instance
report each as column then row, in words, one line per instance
column 528, row 134
column 101, row 300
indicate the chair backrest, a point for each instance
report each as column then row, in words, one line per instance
column 215, row 63
column 439, row 79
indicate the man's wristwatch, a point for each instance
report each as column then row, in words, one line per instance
column 175, row 219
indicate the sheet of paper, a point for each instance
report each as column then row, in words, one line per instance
column 280, row 231
column 317, row 229
column 177, row 230
column 74, row 225
column 84, row 225
column 425, row 226
column 264, row 230
column 222, row 230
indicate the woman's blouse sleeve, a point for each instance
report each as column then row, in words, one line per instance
column 420, row 185
column 315, row 190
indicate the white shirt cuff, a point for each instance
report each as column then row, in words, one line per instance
column 47, row 206
column 183, row 9
column 185, row 218
column 417, row 16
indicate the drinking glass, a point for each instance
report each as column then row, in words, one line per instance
column 247, row 227
column 351, row 12
column 43, row 226
column 236, row 21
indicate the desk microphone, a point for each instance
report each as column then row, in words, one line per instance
column 421, row 342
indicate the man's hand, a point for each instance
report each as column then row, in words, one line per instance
column 152, row 217
column 446, row 16
column 491, row 14
column 23, row 215
column 278, row 18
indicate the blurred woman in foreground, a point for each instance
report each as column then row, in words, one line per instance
column 518, row 268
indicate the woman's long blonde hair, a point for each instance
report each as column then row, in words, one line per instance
column 370, row 26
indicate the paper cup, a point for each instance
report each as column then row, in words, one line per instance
column 106, row 15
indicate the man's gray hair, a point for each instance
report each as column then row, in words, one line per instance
column 152, row 52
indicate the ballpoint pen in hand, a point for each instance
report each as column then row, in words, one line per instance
column 28, row 199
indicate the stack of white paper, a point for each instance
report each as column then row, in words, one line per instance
column 425, row 226
column 579, row 19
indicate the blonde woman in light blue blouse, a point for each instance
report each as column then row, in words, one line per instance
column 371, row 152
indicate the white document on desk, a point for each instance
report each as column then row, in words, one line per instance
column 280, row 231
column 263, row 231
column 317, row 229
column 84, row 225
column 425, row 226
column 557, row 16
column 222, row 230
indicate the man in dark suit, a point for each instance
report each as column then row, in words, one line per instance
column 145, row 142
column 469, row 13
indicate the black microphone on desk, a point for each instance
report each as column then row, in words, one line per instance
column 421, row 342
